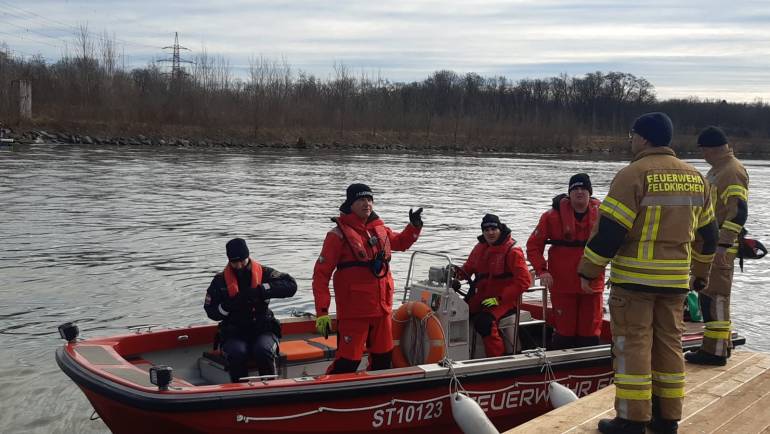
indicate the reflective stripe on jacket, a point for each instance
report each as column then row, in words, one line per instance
column 656, row 186
column 729, row 177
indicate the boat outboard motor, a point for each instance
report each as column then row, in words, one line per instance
column 69, row 332
column 161, row 376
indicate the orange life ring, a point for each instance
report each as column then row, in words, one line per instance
column 421, row 311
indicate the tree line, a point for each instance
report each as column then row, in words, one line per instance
column 570, row 112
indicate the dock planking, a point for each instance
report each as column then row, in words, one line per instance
column 719, row 399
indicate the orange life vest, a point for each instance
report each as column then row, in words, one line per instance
column 355, row 241
column 232, row 281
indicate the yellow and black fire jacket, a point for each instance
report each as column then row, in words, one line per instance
column 730, row 197
column 648, row 222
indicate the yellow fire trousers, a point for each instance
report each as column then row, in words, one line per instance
column 715, row 305
column 647, row 353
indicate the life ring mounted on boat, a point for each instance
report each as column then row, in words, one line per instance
column 422, row 313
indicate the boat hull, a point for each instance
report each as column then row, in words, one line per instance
column 395, row 406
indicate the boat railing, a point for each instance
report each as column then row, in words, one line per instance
column 409, row 275
column 139, row 327
column 532, row 289
column 257, row 378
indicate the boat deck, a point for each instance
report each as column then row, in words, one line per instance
column 724, row 399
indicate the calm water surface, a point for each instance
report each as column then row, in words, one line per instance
column 114, row 237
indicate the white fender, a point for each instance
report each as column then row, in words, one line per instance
column 560, row 395
column 470, row 417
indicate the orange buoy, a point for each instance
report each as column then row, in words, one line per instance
column 420, row 311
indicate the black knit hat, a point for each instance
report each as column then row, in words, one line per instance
column 237, row 249
column 656, row 127
column 712, row 136
column 580, row 180
column 490, row 221
column 353, row 193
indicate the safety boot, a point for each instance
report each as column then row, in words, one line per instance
column 701, row 357
column 658, row 424
column 663, row 426
column 620, row 426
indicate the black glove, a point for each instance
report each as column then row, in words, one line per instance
column 698, row 284
column 257, row 293
column 415, row 217
column 458, row 273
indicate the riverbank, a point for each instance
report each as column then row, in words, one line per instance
column 200, row 137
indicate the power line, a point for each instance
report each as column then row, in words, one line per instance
column 27, row 38
column 34, row 31
column 65, row 26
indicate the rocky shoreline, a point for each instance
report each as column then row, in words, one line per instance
column 40, row 136
column 603, row 145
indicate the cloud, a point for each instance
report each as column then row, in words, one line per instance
column 702, row 48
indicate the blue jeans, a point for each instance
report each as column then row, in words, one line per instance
column 262, row 348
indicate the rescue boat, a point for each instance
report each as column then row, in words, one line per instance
column 172, row 380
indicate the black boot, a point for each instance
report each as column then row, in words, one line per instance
column 663, row 426
column 658, row 424
column 620, row 426
column 701, row 357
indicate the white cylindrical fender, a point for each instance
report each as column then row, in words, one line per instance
column 560, row 395
column 470, row 417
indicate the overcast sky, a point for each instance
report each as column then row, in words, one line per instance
column 708, row 49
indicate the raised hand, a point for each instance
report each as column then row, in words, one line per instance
column 415, row 217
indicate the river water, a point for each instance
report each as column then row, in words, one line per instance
column 114, row 237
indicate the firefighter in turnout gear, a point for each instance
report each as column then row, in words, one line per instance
column 730, row 196
column 647, row 223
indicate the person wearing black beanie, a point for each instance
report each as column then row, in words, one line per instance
column 655, row 127
column 712, row 137
column 238, row 298
column 356, row 254
column 648, row 224
column 731, row 181
column 564, row 230
column 501, row 276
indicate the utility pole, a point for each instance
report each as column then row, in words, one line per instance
column 176, row 60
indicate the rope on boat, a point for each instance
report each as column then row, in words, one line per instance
column 454, row 383
column 94, row 416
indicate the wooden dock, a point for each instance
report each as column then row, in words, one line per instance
column 719, row 399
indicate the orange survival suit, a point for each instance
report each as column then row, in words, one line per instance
column 358, row 253
column 577, row 316
column 500, row 272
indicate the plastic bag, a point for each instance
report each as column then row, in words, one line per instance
column 693, row 307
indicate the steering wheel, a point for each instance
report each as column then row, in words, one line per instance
column 456, row 284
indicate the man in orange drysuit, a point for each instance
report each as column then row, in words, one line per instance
column 577, row 315
column 359, row 249
column 501, row 276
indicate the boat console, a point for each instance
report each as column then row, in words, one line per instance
column 463, row 343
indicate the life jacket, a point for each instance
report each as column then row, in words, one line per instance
column 567, row 219
column 493, row 276
column 231, row 280
column 377, row 258
column 488, row 267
